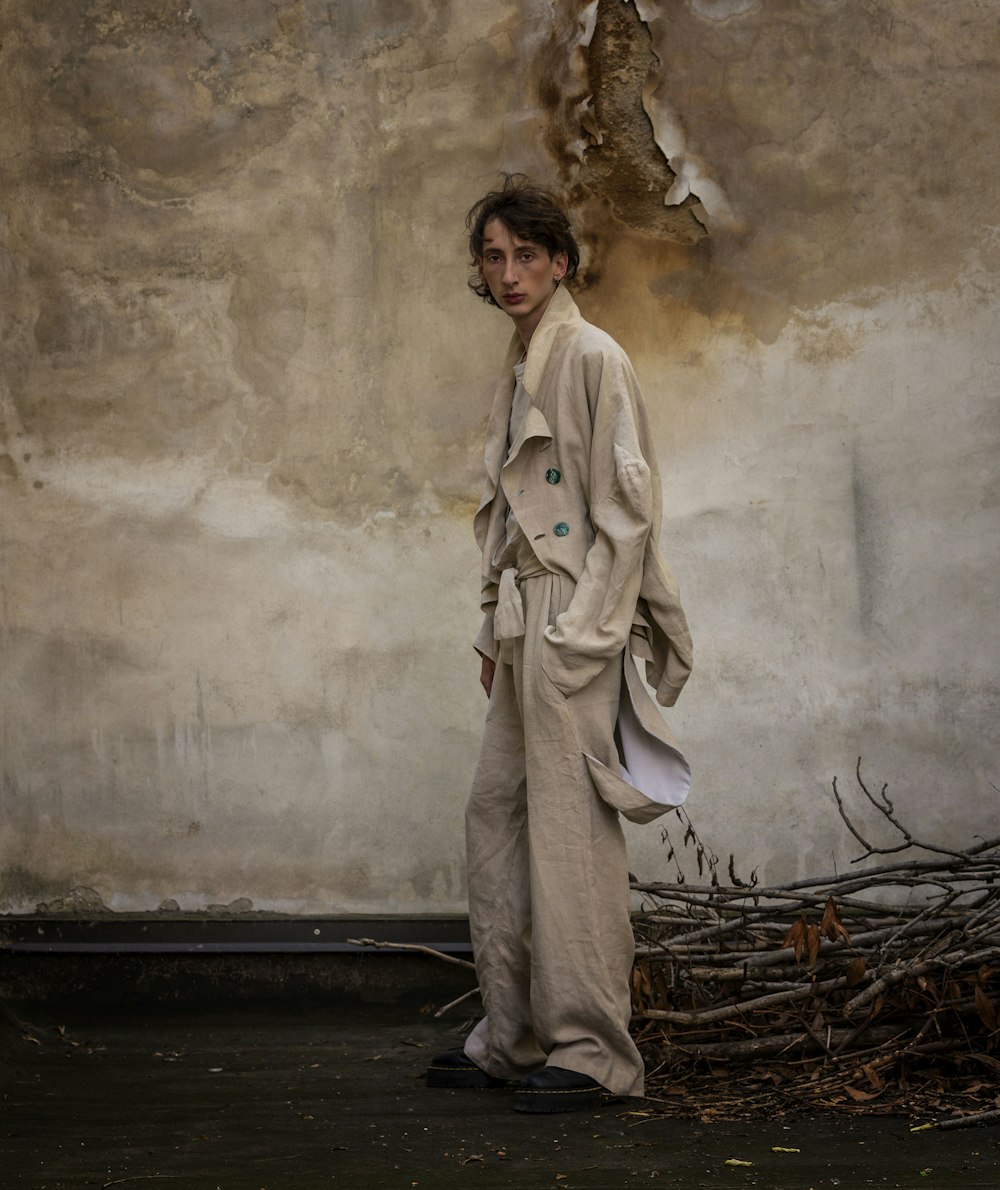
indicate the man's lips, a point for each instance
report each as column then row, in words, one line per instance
column 513, row 298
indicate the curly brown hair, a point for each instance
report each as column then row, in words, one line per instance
column 528, row 211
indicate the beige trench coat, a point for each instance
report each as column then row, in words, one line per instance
column 582, row 480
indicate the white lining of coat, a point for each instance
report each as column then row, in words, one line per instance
column 650, row 764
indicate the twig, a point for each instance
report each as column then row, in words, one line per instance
column 454, row 1003
column 911, row 970
column 142, row 1177
column 982, row 1117
column 710, row 1016
column 763, row 1047
column 437, row 954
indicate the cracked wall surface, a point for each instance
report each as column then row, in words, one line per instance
column 243, row 389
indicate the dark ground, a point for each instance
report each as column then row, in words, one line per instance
column 295, row 1097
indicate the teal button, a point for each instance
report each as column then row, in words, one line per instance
column 561, row 529
column 553, row 475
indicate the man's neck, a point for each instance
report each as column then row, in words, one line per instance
column 526, row 328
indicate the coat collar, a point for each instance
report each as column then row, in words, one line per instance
column 561, row 311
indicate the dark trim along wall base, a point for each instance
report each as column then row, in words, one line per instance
column 182, row 933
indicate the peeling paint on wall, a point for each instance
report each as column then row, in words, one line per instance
column 810, row 134
column 625, row 163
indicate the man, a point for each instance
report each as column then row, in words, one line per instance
column 573, row 587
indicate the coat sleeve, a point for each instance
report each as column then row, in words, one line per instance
column 595, row 626
column 485, row 643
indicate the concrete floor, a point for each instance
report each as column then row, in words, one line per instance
column 291, row 1100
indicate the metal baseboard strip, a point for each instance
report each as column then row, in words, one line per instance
column 191, row 934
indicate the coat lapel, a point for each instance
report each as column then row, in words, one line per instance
column 560, row 311
column 499, row 420
column 533, row 426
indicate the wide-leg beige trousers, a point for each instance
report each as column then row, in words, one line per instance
column 548, row 876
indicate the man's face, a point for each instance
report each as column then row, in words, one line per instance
column 521, row 275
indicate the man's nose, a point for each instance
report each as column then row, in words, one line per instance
column 510, row 273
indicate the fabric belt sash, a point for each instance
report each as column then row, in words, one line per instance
column 508, row 618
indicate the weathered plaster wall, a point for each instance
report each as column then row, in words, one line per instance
column 243, row 391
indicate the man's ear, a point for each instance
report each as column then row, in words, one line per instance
column 479, row 268
column 561, row 265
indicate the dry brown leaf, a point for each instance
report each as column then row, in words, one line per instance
column 986, row 1008
column 829, row 916
column 796, row 937
column 855, row 971
column 831, row 925
column 812, row 943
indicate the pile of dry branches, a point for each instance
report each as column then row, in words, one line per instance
column 875, row 990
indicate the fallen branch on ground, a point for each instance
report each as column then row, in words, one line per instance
column 428, row 950
column 870, row 990
column 983, row 1117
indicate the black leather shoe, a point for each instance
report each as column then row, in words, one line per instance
column 454, row 1069
column 553, row 1089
